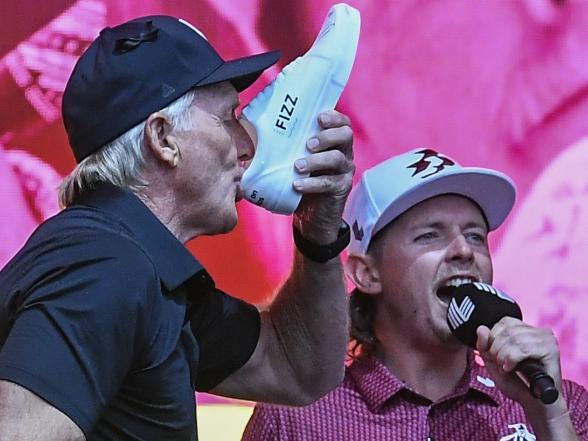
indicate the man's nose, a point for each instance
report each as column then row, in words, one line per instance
column 245, row 146
column 460, row 250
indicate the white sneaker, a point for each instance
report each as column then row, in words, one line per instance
column 284, row 114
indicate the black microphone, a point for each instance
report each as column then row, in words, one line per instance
column 475, row 304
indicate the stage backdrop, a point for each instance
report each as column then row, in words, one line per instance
column 495, row 83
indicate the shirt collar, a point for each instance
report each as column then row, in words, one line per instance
column 374, row 382
column 377, row 384
column 478, row 379
column 174, row 263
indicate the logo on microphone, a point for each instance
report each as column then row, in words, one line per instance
column 490, row 289
column 459, row 314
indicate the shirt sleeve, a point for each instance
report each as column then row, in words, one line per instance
column 578, row 406
column 227, row 330
column 76, row 327
column 263, row 424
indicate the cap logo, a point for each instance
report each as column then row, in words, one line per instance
column 194, row 28
column 430, row 163
column 166, row 90
column 357, row 231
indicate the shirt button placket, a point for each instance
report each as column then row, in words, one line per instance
column 430, row 413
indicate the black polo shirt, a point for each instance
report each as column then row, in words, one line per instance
column 109, row 318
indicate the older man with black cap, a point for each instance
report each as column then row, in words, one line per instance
column 107, row 322
column 420, row 224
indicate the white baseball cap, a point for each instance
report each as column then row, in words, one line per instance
column 390, row 188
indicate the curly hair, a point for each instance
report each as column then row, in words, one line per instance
column 362, row 310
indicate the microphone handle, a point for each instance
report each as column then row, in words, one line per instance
column 541, row 385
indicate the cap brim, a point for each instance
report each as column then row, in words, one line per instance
column 494, row 192
column 242, row 72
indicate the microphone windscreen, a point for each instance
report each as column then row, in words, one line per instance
column 475, row 304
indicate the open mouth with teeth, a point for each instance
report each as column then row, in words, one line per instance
column 446, row 287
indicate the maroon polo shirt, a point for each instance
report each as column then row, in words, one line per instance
column 373, row 405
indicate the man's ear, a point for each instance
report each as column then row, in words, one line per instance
column 364, row 274
column 160, row 140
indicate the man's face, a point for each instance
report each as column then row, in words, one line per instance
column 439, row 242
column 214, row 151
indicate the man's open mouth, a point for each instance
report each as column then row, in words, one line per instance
column 446, row 287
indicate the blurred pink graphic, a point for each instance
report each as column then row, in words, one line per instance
column 543, row 256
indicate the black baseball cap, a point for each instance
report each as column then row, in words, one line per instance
column 138, row 68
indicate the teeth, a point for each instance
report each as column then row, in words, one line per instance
column 458, row 281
